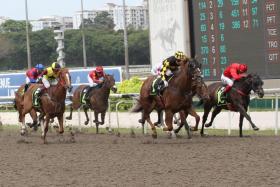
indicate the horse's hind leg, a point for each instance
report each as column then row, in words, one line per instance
column 168, row 122
column 71, row 111
column 207, row 109
column 102, row 118
column 45, row 128
column 180, row 124
column 87, row 118
column 96, row 121
column 215, row 112
column 241, row 117
column 197, row 118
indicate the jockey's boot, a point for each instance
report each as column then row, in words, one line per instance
column 86, row 96
column 225, row 91
column 26, row 87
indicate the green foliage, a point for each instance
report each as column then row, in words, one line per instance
column 133, row 85
column 14, row 26
column 104, row 47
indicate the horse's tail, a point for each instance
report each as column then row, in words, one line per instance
column 15, row 105
column 137, row 108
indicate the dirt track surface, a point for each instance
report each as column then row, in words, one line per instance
column 108, row 160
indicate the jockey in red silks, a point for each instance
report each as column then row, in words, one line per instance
column 33, row 75
column 95, row 79
column 232, row 73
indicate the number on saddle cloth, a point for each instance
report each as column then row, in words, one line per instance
column 85, row 93
column 221, row 98
column 36, row 97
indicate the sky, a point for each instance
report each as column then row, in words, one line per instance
column 15, row 9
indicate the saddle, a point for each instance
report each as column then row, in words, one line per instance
column 221, row 98
column 158, row 87
column 84, row 97
column 36, row 102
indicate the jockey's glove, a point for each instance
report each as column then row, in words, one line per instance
column 165, row 83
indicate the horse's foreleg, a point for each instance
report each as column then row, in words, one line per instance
column 159, row 114
column 87, row 118
column 168, row 122
column 193, row 113
column 243, row 112
column 33, row 115
column 45, row 128
column 71, row 111
column 207, row 109
column 241, row 117
column 181, row 124
column 215, row 112
column 96, row 121
column 60, row 122
column 102, row 118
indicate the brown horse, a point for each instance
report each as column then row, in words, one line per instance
column 52, row 102
column 19, row 95
column 98, row 100
column 238, row 100
column 201, row 90
column 173, row 97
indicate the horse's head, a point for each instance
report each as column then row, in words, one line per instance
column 201, row 90
column 109, row 82
column 65, row 79
column 257, row 84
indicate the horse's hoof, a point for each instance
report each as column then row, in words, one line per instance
column 68, row 118
column 141, row 121
column 22, row 133
column 176, row 131
column 86, row 123
column 208, row 125
column 194, row 129
column 256, row 128
column 35, row 128
column 29, row 125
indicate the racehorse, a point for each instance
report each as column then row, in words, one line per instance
column 19, row 95
column 52, row 102
column 201, row 90
column 173, row 98
column 238, row 99
column 98, row 100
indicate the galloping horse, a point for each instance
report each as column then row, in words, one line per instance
column 52, row 102
column 98, row 100
column 173, row 97
column 238, row 100
column 19, row 95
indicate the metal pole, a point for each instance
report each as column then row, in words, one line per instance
column 276, row 114
column 83, row 36
column 27, row 36
column 125, row 43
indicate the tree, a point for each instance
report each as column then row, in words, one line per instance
column 14, row 26
column 103, row 20
column 5, row 47
column 88, row 23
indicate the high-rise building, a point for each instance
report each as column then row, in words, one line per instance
column 51, row 22
column 136, row 16
column 88, row 14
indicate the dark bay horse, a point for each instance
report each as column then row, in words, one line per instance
column 173, row 98
column 238, row 100
column 52, row 102
column 98, row 100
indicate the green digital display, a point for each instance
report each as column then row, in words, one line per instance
column 242, row 31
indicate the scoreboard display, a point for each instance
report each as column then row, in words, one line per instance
column 242, row 31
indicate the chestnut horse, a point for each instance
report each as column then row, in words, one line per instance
column 173, row 97
column 238, row 99
column 52, row 102
column 19, row 95
column 98, row 100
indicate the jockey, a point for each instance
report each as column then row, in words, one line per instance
column 95, row 79
column 48, row 74
column 232, row 73
column 170, row 65
column 33, row 75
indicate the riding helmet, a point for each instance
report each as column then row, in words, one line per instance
column 243, row 68
column 55, row 66
column 40, row 67
column 179, row 55
column 99, row 69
